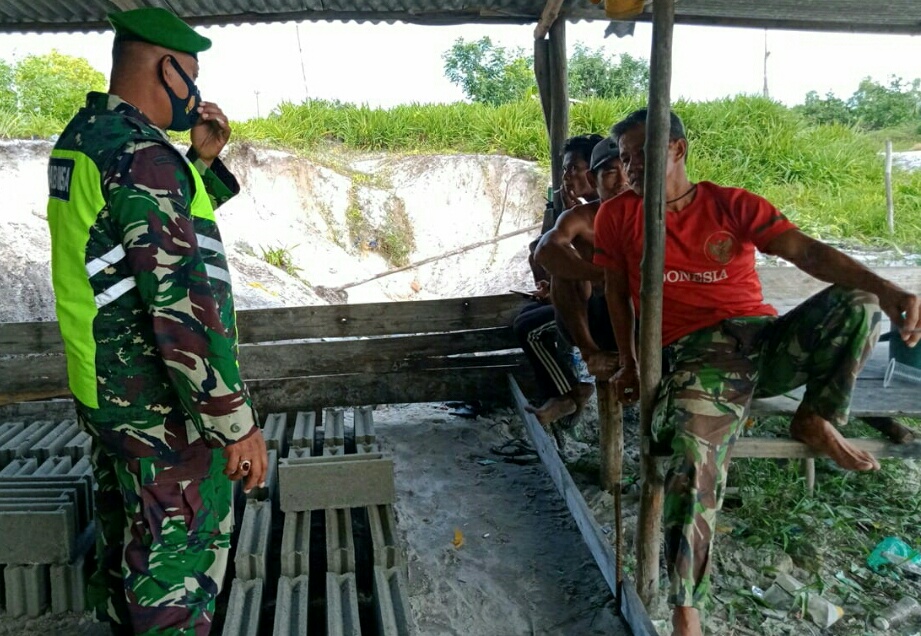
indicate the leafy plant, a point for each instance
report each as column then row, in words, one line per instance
column 281, row 258
column 55, row 85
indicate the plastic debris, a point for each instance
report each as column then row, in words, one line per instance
column 898, row 613
column 787, row 592
column 891, row 555
column 458, row 542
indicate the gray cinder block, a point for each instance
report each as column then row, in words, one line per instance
column 80, row 445
column 53, row 442
column 342, row 605
column 19, row 444
column 349, row 481
column 305, row 430
column 54, row 466
column 340, row 544
column 38, row 531
column 26, row 590
column 383, row 525
column 20, row 467
column 275, row 432
column 243, row 608
column 68, row 587
column 391, row 602
column 364, row 425
column 291, row 606
column 253, row 544
column 295, row 545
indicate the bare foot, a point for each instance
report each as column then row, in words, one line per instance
column 686, row 622
column 553, row 409
column 820, row 435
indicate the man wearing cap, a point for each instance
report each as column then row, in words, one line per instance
column 566, row 252
column 724, row 346
column 145, row 306
column 536, row 324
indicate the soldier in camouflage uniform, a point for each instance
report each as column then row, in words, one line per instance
column 724, row 346
column 144, row 301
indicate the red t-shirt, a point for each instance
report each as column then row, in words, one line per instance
column 709, row 254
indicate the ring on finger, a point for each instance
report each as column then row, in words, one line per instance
column 245, row 466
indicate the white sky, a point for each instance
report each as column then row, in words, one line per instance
column 385, row 65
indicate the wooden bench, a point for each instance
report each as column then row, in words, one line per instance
column 304, row 358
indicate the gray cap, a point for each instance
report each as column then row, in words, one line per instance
column 604, row 151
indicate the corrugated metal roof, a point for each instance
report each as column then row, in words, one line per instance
column 892, row 16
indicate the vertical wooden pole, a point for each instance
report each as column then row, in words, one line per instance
column 611, row 420
column 890, row 208
column 649, row 528
column 542, row 77
column 559, row 107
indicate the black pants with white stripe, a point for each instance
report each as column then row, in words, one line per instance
column 536, row 330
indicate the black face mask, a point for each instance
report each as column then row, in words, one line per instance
column 185, row 110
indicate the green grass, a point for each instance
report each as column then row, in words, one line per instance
column 837, row 528
column 828, row 179
column 281, row 258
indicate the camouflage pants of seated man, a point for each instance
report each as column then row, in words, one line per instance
column 164, row 519
column 704, row 401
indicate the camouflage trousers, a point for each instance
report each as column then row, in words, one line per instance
column 704, row 400
column 163, row 526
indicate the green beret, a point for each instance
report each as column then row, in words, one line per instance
column 158, row 26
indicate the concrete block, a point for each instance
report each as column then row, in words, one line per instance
column 8, row 430
column 17, row 445
column 275, row 432
column 79, row 488
column 243, row 608
column 80, row 445
column 342, row 605
column 82, row 467
column 292, row 604
column 350, row 481
column 340, row 544
column 298, row 453
column 364, row 449
column 305, row 430
column 391, row 602
column 26, row 590
column 37, row 531
column 295, row 545
column 52, row 444
column 54, row 466
column 68, row 587
column 253, row 545
column 270, row 492
column 333, row 432
column 19, row 467
column 364, row 425
column 383, row 526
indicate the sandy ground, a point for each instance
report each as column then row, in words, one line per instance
column 523, row 568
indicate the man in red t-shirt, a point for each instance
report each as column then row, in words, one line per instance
column 724, row 345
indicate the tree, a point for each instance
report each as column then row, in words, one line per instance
column 487, row 73
column 876, row 106
column 825, row 110
column 7, row 87
column 55, row 85
column 492, row 74
column 592, row 73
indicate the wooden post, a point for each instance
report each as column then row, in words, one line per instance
column 651, row 495
column 559, row 107
column 542, row 77
column 890, row 208
column 611, row 421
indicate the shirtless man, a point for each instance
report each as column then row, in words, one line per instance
column 566, row 252
column 536, row 326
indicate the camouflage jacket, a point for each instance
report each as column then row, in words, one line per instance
column 152, row 315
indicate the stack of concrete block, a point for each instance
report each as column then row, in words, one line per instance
column 251, row 563
column 337, row 483
column 46, row 520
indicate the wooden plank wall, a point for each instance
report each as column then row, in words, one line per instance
column 299, row 358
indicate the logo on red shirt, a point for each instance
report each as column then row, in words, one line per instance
column 721, row 247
